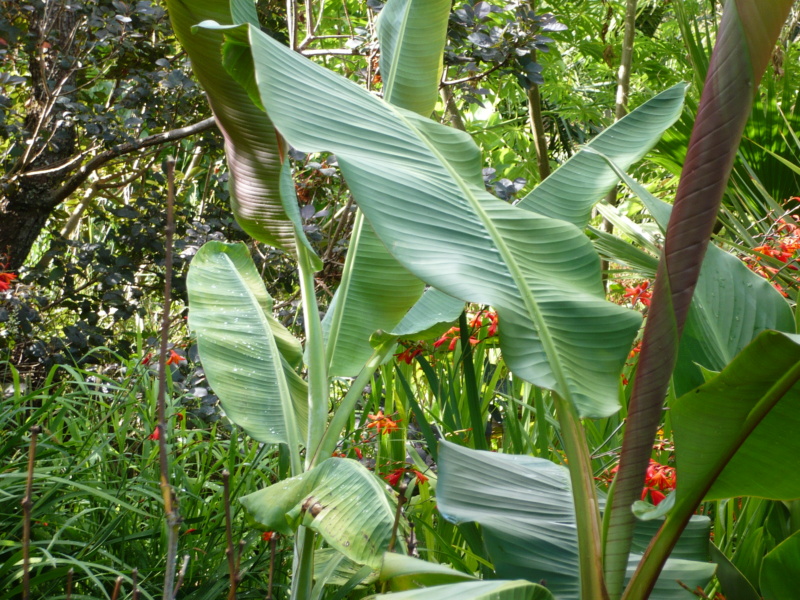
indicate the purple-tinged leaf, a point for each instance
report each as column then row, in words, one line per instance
column 744, row 45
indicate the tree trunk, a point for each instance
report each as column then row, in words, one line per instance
column 19, row 229
column 50, row 138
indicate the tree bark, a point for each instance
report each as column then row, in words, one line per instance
column 537, row 128
column 52, row 165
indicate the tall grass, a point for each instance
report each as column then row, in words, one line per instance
column 97, row 509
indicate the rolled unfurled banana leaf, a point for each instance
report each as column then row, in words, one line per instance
column 420, row 187
column 744, row 45
column 263, row 204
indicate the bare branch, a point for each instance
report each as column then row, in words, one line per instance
column 74, row 182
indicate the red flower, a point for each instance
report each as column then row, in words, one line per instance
column 420, row 477
column 175, row 358
column 640, row 293
column 395, row 476
column 382, row 423
column 452, row 335
column 658, row 479
column 155, row 435
column 267, row 535
column 190, row 531
column 483, row 318
column 5, row 280
column 407, row 355
column 358, row 453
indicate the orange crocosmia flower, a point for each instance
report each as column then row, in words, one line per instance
column 175, row 358
column 640, row 293
column 420, row 477
column 382, row 423
column 155, row 435
column 492, row 331
column 5, row 280
column 395, row 476
column 453, row 335
column 267, row 535
column 407, row 355
column 658, row 479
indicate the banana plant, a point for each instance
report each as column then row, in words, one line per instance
column 428, row 220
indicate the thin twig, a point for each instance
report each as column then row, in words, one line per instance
column 339, row 227
column 229, row 551
column 117, row 588
column 170, row 504
column 70, row 574
column 27, row 505
column 181, row 575
column 401, row 499
column 273, row 546
column 135, row 583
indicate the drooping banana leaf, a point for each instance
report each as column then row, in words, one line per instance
column 525, row 508
column 263, row 204
column 248, row 356
column 743, row 49
column 431, row 316
column 339, row 499
column 376, row 291
column 435, row 217
column 407, row 573
column 476, row 590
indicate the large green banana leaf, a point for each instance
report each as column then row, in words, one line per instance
column 263, row 204
column 749, row 415
column 374, row 294
column 339, row 499
column 412, row 34
column 247, row 354
column 477, row 590
column 780, row 570
column 730, row 307
column 572, row 190
column 434, row 215
column 376, row 291
column 732, row 438
column 525, row 509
